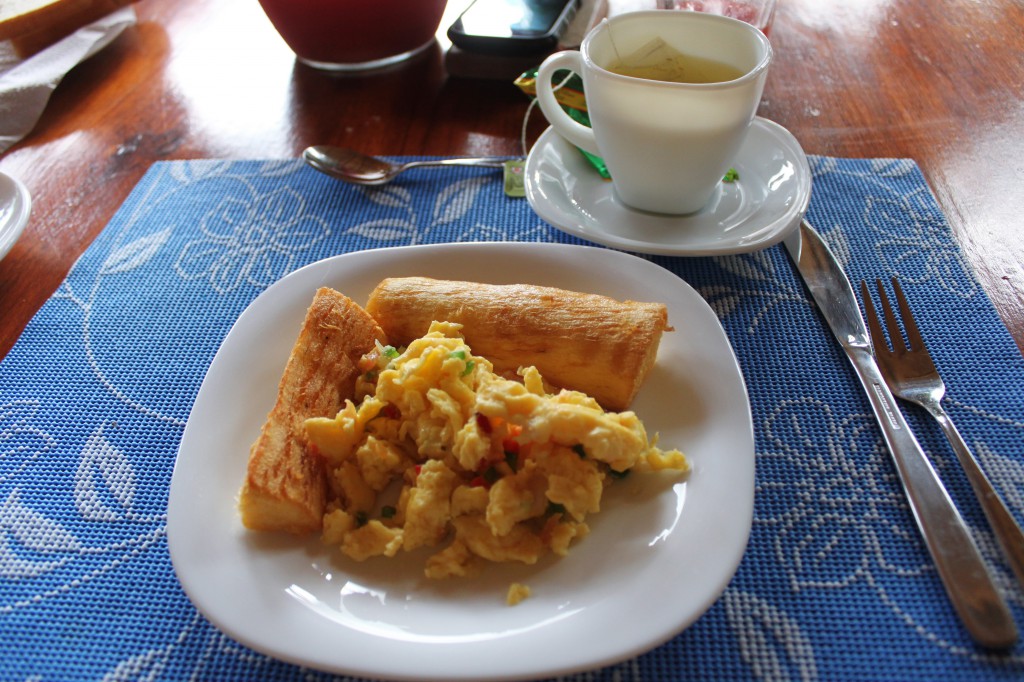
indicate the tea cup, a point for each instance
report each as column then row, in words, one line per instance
column 667, row 145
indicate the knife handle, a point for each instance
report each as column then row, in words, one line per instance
column 968, row 583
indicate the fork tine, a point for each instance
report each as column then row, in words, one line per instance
column 913, row 333
column 891, row 322
column 874, row 326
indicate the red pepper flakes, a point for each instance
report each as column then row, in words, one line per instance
column 489, row 477
column 483, row 423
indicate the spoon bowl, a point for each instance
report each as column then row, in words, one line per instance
column 360, row 169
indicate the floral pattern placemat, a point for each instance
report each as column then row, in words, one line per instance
column 835, row 584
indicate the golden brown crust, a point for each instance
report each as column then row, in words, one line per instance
column 285, row 485
column 585, row 342
column 32, row 25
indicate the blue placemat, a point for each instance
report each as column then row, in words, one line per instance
column 835, row 583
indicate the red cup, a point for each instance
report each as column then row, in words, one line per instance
column 353, row 35
column 760, row 13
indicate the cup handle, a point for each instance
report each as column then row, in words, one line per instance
column 576, row 133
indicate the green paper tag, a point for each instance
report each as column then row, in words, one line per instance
column 515, row 183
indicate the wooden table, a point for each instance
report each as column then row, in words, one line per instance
column 938, row 81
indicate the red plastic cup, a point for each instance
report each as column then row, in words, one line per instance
column 759, row 13
column 354, row 35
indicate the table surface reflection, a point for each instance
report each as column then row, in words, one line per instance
column 193, row 79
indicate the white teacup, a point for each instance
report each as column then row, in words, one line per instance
column 667, row 145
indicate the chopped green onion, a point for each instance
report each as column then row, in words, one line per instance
column 555, row 508
column 388, row 512
column 460, row 354
column 390, row 352
column 361, row 519
column 469, row 368
column 731, row 176
column 491, row 475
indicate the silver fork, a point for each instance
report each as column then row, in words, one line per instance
column 910, row 373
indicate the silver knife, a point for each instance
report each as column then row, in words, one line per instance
column 967, row 581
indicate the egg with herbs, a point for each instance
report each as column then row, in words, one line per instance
column 439, row 451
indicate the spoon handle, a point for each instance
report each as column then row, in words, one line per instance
column 484, row 162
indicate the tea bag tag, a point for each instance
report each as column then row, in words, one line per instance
column 515, row 178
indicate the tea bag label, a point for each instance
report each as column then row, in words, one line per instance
column 515, row 178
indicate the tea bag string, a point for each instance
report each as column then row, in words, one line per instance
column 529, row 110
column 615, row 46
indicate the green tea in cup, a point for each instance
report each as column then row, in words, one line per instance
column 659, row 61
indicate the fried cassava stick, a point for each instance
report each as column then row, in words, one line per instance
column 583, row 342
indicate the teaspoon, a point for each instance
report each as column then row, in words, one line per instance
column 360, row 169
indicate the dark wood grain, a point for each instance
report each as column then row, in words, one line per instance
column 938, row 81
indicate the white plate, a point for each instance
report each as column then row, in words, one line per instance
column 659, row 554
column 15, row 206
column 758, row 210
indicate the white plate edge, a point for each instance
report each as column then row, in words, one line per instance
column 22, row 205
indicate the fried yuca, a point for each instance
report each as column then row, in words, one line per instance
column 489, row 468
column 590, row 343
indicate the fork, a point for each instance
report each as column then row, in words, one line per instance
column 911, row 374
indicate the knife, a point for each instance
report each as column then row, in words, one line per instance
column 963, row 572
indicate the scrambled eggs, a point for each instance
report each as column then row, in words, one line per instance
column 492, row 468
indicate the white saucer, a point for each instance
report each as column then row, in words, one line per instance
column 15, row 205
column 764, row 205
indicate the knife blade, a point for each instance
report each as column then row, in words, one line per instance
column 967, row 581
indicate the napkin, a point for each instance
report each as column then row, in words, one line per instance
column 26, row 85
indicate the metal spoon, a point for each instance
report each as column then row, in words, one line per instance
column 360, row 169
